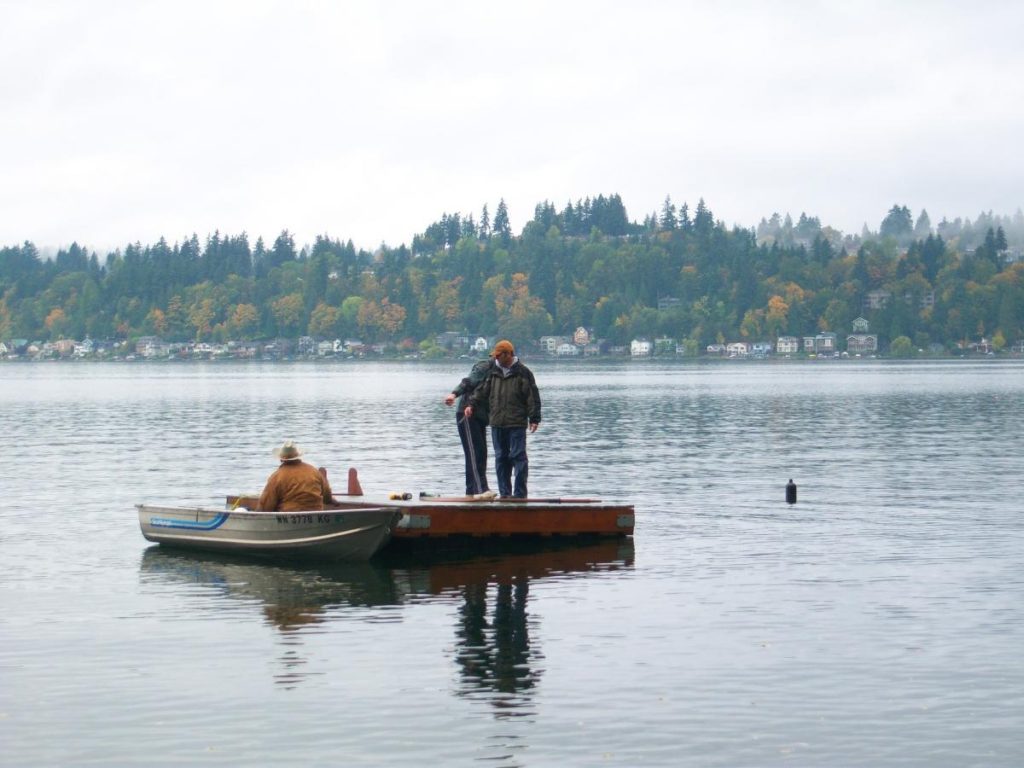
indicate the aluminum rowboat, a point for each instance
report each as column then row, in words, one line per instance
column 333, row 534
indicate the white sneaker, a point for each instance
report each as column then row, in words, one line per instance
column 485, row 496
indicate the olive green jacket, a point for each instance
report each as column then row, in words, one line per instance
column 512, row 400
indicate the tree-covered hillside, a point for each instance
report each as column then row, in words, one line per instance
column 678, row 272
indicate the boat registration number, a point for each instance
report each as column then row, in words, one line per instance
column 308, row 519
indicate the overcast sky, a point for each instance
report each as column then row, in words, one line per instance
column 125, row 121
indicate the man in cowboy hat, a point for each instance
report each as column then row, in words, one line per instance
column 513, row 401
column 296, row 486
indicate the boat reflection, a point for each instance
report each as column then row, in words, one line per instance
column 291, row 596
column 490, row 583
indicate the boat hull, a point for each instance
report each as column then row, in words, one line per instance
column 350, row 534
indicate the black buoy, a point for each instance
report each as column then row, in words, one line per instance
column 791, row 492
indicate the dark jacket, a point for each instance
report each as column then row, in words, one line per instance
column 477, row 374
column 513, row 400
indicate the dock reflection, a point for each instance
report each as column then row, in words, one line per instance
column 489, row 581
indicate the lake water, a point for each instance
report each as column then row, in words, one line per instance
column 877, row 622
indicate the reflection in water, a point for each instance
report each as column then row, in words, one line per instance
column 493, row 649
column 293, row 598
column 495, row 656
column 491, row 580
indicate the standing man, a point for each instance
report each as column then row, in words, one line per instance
column 473, row 430
column 513, row 401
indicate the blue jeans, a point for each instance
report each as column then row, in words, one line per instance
column 510, row 453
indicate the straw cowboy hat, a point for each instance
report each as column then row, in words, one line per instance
column 288, row 452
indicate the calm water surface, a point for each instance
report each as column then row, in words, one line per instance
column 878, row 622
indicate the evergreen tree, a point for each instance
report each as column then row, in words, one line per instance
column 1000, row 240
column 933, row 252
column 469, row 228
column 703, row 220
column 668, row 220
column 485, row 223
column 259, row 259
column 502, row 228
column 923, row 226
column 684, row 218
column 283, row 250
column 898, row 224
column 808, row 228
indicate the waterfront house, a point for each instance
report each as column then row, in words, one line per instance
column 860, row 342
column 982, row 347
column 64, row 347
column 243, row 350
column 451, row 340
column 737, row 349
column 85, row 348
column 152, row 347
column 550, row 344
column 664, row 345
column 640, row 348
column 306, row 346
column 567, row 350
column 820, row 344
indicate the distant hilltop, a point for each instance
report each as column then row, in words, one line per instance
column 679, row 277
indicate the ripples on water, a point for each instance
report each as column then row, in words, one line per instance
column 876, row 622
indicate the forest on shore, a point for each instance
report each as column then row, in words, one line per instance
column 678, row 273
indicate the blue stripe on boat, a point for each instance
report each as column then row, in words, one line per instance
column 170, row 522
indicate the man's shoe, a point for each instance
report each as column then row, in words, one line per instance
column 485, row 496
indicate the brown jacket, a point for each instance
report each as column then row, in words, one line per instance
column 295, row 486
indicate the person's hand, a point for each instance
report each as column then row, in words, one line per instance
column 533, row 426
column 469, row 411
column 449, row 399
